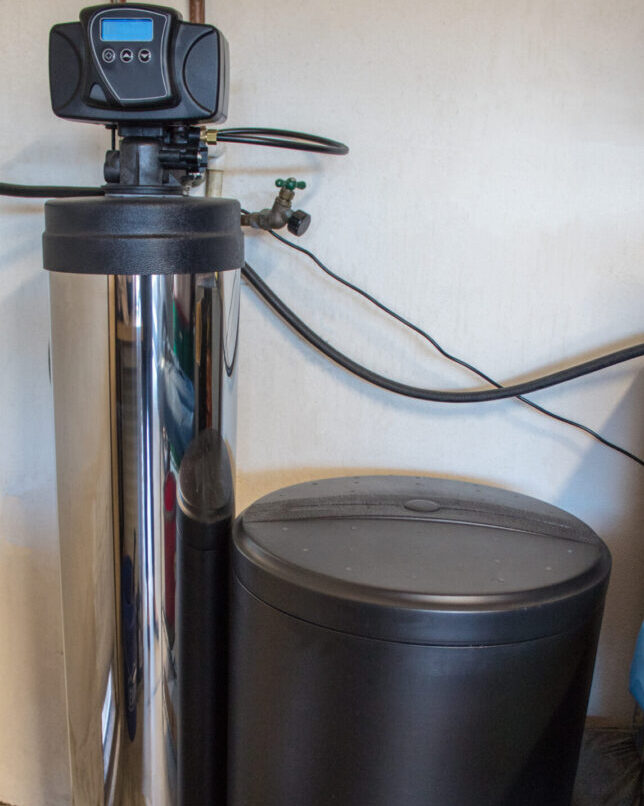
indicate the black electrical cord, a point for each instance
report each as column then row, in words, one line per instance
column 282, row 138
column 446, row 354
column 437, row 395
column 46, row 192
column 500, row 392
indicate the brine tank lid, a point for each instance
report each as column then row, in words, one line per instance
column 421, row 560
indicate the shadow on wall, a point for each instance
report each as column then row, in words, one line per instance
column 608, row 493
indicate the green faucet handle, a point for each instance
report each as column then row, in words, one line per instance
column 290, row 184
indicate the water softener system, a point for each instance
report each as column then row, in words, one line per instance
column 355, row 642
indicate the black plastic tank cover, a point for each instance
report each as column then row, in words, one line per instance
column 419, row 559
column 142, row 235
column 412, row 641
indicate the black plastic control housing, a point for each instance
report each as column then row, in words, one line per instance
column 138, row 64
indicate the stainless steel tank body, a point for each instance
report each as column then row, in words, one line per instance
column 142, row 363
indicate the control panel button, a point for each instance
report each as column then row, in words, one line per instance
column 126, row 55
column 108, row 55
column 144, row 55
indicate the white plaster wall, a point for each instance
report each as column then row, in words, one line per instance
column 33, row 730
column 493, row 195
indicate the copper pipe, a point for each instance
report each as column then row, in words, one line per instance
column 197, row 11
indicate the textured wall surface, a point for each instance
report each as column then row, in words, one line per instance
column 493, row 195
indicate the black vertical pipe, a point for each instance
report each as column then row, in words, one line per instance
column 205, row 500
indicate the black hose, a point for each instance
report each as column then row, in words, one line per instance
column 449, row 356
column 283, row 138
column 276, row 138
column 435, row 395
column 46, row 192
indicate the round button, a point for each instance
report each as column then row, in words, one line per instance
column 108, row 55
column 144, row 55
column 126, row 55
column 422, row 505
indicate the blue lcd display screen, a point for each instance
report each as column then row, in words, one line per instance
column 120, row 29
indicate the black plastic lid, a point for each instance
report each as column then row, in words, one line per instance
column 142, row 235
column 421, row 560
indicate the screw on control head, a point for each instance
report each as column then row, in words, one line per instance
column 290, row 184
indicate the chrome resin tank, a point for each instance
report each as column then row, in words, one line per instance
column 142, row 364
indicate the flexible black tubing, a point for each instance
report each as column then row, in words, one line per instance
column 46, row 192
column 435, row 395
column 449, row 356
column 275, row 138
column 282, row 138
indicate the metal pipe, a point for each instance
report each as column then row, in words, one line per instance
column 197, row 11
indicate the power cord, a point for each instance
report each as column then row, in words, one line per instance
column 499, row 392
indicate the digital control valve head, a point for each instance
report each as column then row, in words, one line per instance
column 138, row 65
